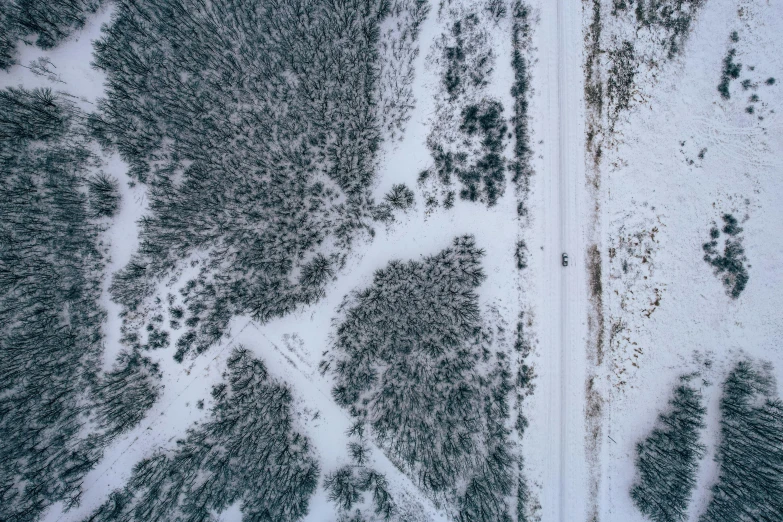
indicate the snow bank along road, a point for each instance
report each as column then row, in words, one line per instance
column 564, row 314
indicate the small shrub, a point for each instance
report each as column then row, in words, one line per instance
column 520, row 254
column 400, row 197
column 104, row 195
column 729, row 266
column 731, row 71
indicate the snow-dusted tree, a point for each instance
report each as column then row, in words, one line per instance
column 750, row 481
column 50, row 318
column 247, row 452
column 667, row 460
column 412, row 363
column 51, row 22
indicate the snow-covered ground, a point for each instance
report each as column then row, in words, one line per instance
column 670, row 314
column 665, row 315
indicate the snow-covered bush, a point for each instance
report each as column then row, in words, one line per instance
column 730, row 265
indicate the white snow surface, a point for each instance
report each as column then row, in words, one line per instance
column 646, row 181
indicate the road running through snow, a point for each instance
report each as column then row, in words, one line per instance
column 565, row 487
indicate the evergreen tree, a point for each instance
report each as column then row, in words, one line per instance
column 750, row 455
column 413, row 363
column 667, row 460
column 247, row 452
column 50, row 318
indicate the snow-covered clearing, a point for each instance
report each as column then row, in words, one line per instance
column 666, row 313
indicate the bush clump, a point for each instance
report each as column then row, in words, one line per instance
column 729, row 266
column 731, row 71
column 400, row 197
column 482, row 170
column 521, row 40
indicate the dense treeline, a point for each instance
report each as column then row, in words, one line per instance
column 414, row 364
column 247, row 452
column 51, row 341
column 254, row 126
column 667, row 460
column 750, row 454
column 749, row 486
column 521, row 40
column 47, row 22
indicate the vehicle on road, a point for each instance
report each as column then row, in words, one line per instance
column 565, row 259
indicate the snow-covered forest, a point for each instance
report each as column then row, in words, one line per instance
column 391, row 260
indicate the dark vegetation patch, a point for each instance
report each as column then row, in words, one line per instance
column 730, row 265
column 520, row 254
column 400, row 197
column 348, row 486
column 521, row 34
column 415, row 364
column 253, row 125
column 44, row 23
column 104, row 195
column 467, row 137
column 527, row 505
column 467, row 65
column 51, row 342
column 750, row 454
column 247, row 452
column 671, row 17
column 597, row 298
column 398, row 49
column 668, row 458
column 731, row 71
column 479, row 164
column 620, row 86
column 594, row 87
